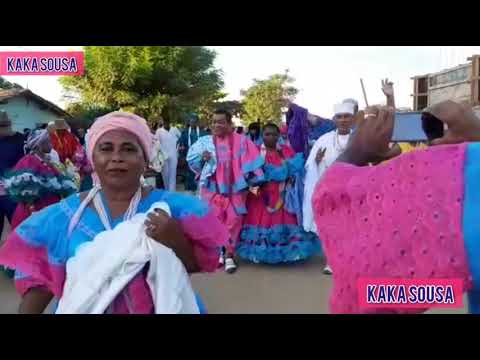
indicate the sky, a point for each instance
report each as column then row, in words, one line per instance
column 324, row 75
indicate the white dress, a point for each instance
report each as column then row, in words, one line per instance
column 335, row 145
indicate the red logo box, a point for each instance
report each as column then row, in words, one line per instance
column 63, row 63
column 410, row 293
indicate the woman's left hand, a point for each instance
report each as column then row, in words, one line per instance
column 161, row 227
column 167, row 231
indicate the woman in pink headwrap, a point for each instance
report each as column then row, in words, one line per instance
column 35, row 182
column 119, row 148
column 415, row 217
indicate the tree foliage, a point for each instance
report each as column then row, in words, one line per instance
column 149, row 80
column 206, row 111
column 265, row 98
column 7, row 85
column 83, row 115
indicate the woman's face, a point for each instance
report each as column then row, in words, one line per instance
column 118, row 160
column 270, row 137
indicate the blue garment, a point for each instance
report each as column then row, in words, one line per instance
column 195, row 158
column 272, row 238
column 294, row 197
column 272, row 246
column 471, row 222
column 322, row 127
column 49, row 226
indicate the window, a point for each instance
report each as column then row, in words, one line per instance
column 422, row 85
column 456, row 75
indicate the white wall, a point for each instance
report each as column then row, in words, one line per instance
column 26, row 114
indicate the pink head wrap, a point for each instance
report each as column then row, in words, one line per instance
column 284, row 130
column 114, row 121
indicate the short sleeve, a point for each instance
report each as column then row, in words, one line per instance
column 37, row 251
column 200, row 226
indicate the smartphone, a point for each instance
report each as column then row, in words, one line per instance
column 408, row 127
column 432, row 126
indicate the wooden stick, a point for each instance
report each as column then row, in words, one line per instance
column 364, row 93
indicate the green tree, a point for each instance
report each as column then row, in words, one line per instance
column 206, row 110
column 7, row 85
column 148, row 80
column 265, row 98
column 83, row 115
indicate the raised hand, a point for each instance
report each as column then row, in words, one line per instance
column 387, row 88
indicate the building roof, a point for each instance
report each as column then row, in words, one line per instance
column 408, row 127
column 12, row 93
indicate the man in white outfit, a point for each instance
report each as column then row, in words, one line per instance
column 168, row 144
column 324, row 152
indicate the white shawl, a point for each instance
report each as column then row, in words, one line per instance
column 333, row 143
column 102, row 268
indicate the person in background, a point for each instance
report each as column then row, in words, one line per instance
column 254, row 133
column 63, row 141
column 11, row 150
column 354, row 103
column 305, row 128
column 415, row 217
column 168, row 144
column 318, row 127
column 26, row 133
column 399, row 147
column 35, row 182
column 189, row 136
column 81, row 162
column 53, row 154
column 81, row 136
column 119, row 147
column 324, row 152
column 284, row 134
column 238, row 167
column 165, row 123
column 271, row 232
column 156, row 164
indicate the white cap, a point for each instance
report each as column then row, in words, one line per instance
column 351, row 101
column 344, row 108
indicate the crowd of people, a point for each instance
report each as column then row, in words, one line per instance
column 273, row 194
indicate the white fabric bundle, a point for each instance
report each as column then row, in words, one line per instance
column 102, row 268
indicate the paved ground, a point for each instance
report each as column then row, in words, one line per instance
column 254, row 289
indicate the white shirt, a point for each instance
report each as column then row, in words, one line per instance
column 54, row 157
column 334, row 144
column 168, row 142
column 175, row 132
